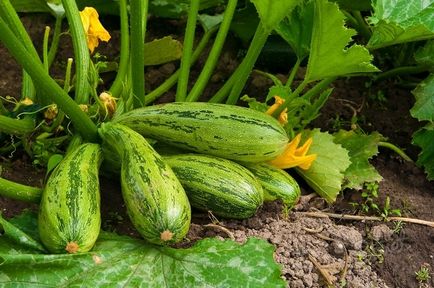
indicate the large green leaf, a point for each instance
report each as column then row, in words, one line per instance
column 423, row 109
column 120, row 261
column 399, row 21
column 271, row 12
column 361, row 148
column 360, row 5
column 329, row 54
column 326, row 174
column 425, row 54
column 162, row 50
column 424, row 138
column 296, row 29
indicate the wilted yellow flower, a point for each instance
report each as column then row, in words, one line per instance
column 293, row 156
column 93, row 28
column 26, row 101
column 109, row 102
column 51, row 112
column 283, row 117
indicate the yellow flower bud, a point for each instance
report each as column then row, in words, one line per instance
column 51, row 112
column 109, row 102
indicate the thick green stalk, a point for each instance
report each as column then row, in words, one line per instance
column 214, row 54
column 9, row 15
column 55, row 40
column 166, row 85
column 119, row 81
column 81, row 51
column 362, row 27
column 45, row 48
column 403, row 70
column 51, row 90
column 396, row 149
column 187, row 51
column 138, row 11
column 20, row 192
column 223, row 92
column 16, row 126
column 246, row 66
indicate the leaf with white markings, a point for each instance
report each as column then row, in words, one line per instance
column 120, row 261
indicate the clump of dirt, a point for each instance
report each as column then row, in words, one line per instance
column 300, row 241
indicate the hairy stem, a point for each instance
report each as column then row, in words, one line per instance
column 395, row 149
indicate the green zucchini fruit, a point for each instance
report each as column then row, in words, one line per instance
column 69, row 217
column 155, row 199
column 218, row 185
column 227, row 131
column 277, row 184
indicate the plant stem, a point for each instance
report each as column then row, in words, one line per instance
column 20, row 192
column 243, row 71
column 16, row 126
column 81, row 51
column 117, row 86
column 52, row 91
column 403, row 70
column 45, row 48
column 362, row 27
column 396, row 149
column 223, row 92
column 294, row 71
column 138, row 11
column 55, row 40
column 214, row 54
column 294, row 95
column 318, row 88
column 187, row 51
column 166, row 85
column 7, row 12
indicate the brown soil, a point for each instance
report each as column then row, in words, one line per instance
column 377, row 256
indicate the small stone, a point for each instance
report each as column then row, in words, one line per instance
column 308, row 280
column 337, row 248
column 296, row 284
column 381, row 232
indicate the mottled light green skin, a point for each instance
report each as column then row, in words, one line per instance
column 218, row 185
column 277, row 183
column 227, row 131
column 70, row 206
column 154, row 197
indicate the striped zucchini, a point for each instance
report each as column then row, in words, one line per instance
column 69, row 217
column 155, row 199
column 218, row 185
column 277, row 184
column 227, row 131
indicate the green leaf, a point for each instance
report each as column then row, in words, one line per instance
column 425, row 54
column 423, row 109
column 360, row 148
column 399, row 21
column 271, row 12
column 296, row 29
column 30, row 5
column 330, row 56
column 120, row 261
column 162, row 50
column 424, row 138
column 326, row 174
column 16, row 235
column 209, row 21
column 52, row 162
column 177, row 8
column 244, row 23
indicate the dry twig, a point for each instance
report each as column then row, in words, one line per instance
column 367, row 218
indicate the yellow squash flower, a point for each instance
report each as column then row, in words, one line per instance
column 93, row 28
column 295, row 156
column 283, row 117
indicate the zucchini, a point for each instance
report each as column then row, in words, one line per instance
column 218, row 185
column 227, row 131
column 155, row 199
column 69, row 216
column 277, row 184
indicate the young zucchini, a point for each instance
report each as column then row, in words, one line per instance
column 69, row 217
column 277, row 184
column 218, row 185
column 155, row 199
column 227, row 131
